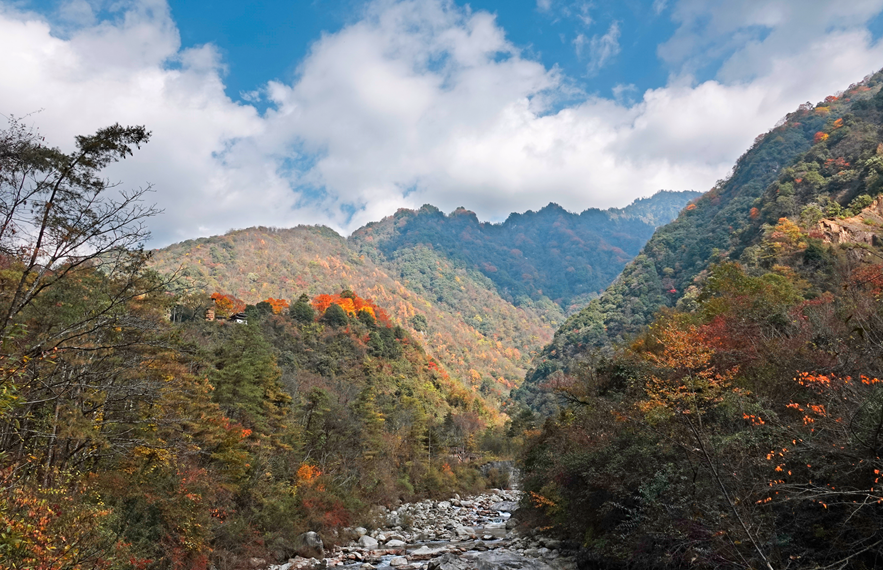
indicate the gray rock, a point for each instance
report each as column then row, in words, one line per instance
column 394, row 543
column 511, row 523
column 309, row 545
column 464, row 531
column 366, row 541
column 504, row 560
column 425, row 552
column 447, row 562
column 505, row 506
column 490, row 560
column 360, row 531
column 398, row 561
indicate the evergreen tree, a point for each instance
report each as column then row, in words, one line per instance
column 335, row 316
column 302, row 311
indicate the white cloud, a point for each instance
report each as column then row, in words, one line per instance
column 544, row 5
column 624, row 92
column 421, row 101
column 603, row 48
column 579, row 44
column 583, row 14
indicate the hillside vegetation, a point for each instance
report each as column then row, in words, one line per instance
column 480, row 305
column 720, row 405
column 135, row 433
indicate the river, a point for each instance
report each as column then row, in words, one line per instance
column 479, row 532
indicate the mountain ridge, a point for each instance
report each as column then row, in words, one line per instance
column 480, row 331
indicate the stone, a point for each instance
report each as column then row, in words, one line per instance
column 394, row 543
column 447, row 562
column 257, row 562
column 360, row 531
column 511, row 523
column 309, row 545
column 464, row 531
column 505, row 506
column 366, row 541
column 398, row 561
column 425, row 553
column 503, row 560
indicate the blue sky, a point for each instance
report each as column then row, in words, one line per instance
column 339, row 112
column 267, row 40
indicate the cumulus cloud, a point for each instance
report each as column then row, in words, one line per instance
column 418, row 101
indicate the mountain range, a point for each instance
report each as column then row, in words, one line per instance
column 483, row 297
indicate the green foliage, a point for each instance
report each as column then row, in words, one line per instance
column 786, row 174
column 737, row 429
column 335, row 316
column 487, row 296
column 302, row 311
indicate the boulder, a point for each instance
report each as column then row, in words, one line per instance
column 398, row 561
column 425, row 553
column 464, row 531
column 503, row 560
column 360, row 531
column 366, row 541
column 447, row 562
column 505, row 506
column 309, row 545
column 394, row 543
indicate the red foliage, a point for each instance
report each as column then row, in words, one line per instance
column 869, row 277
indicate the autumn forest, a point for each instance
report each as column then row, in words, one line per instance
column 694, row 380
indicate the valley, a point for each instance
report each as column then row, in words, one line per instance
column 691, row 381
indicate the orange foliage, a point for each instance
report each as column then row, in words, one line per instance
column 307, row 473
column 691, row 207
column 226, row 305
column 820, row 137
column 278, row 305
column 352, row 305
column 688, row 382
column 754, row 213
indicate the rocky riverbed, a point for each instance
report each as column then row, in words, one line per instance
column 479, row 532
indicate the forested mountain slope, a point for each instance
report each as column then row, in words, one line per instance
column 739, row 426
column 439, row 276
column 534, row 257
column 821, row 157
